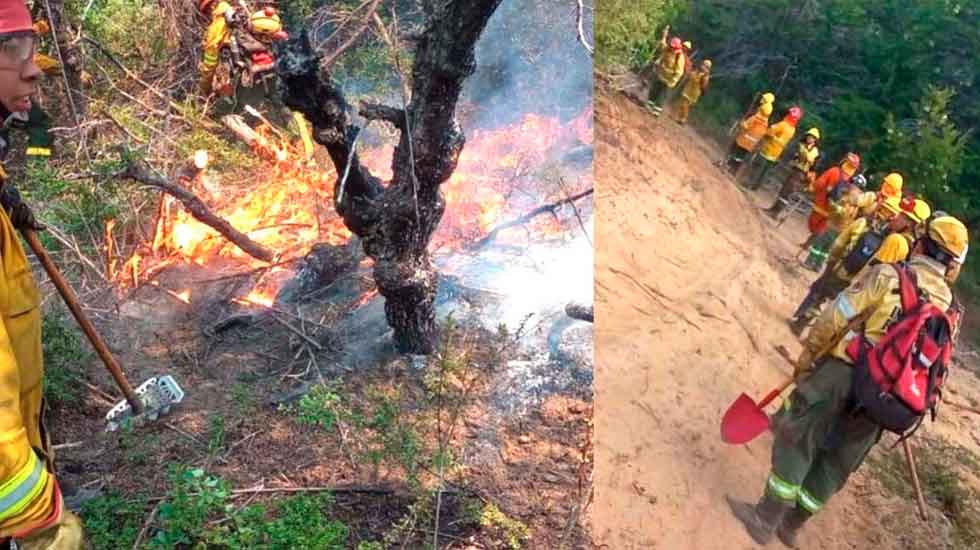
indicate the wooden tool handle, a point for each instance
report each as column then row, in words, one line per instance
column 920, row 502
column 76, row 309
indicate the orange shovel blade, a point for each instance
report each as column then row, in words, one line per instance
column 743, row 421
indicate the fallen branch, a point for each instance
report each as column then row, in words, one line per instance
column 523, row 220
column 141, row 173
column 146, row 527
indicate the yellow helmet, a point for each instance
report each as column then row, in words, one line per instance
column 706, row 63
column 813, row 132
column 766, row 109
column 265, row 21
column 892, row 205
column 768, row 97
column 951, row 235
column 891, row 186
column 919, row 211
column 688, row 45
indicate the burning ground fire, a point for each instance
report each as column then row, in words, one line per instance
column 502, row 173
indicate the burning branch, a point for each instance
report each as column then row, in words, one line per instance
column 142, row 173
column 523, row 220
column 394, row 227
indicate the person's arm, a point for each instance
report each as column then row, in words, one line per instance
column 842, row 242
column 864, row 293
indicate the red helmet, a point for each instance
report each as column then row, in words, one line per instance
column 204, row 5
column 676, row 44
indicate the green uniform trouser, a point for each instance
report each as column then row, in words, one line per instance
column 819, row 439
column 658, row 93
column 820, row 248
column 756, row 180
column 825, row 288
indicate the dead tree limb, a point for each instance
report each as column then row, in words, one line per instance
column 362, row 26
column 395, row 230
column 550, row 208
column 69, row 56
column 141, row 172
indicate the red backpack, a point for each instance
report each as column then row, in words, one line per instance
column 898, row 380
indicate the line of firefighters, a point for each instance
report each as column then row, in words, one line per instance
column 873, row 245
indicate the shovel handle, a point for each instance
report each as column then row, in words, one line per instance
column 76, row 309
column 775, row 393
column 920, row 502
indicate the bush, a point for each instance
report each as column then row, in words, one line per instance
column 64, row 357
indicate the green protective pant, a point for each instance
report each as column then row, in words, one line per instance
column 825, row 288
column 819, row 246
column 658, row 93
column 757, row 176
column 819, row 439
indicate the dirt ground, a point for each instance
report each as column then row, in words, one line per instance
column 693, row 288
column 237, row 377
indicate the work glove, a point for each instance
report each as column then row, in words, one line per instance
column 66, row 534
column 20, row 214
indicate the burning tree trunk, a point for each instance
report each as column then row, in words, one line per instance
column 395, row 223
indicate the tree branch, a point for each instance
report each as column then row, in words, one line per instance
column 141, row 172
column 376, row 111
column 545, row 209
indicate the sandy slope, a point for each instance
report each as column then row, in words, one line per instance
column 692, row 290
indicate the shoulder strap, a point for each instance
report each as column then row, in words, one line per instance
column 907, row 287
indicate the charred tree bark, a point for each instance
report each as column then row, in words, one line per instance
column 70, row 54
column 395, row 223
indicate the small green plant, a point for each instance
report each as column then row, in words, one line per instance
column 111, row 521
column 512, row 531
column 319, row 407
column 216, row 435
column 64, row 358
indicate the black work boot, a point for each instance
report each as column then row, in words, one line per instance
column 791, row 525
column 762, row 519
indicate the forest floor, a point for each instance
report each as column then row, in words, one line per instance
column 694, row 285
column 287, row 402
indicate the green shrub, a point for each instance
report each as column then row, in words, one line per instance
column 64, row 358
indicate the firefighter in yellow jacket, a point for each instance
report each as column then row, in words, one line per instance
column 801, row 171
column 750, row 131
column 32, row 510
column 774, row 143
column 694, row 88
column 819, row 436
column 669, row 71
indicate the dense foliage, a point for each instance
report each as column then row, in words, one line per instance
column 894, row 80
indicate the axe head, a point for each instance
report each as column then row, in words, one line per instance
column 157, row 395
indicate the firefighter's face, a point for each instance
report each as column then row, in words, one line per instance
column 18, row 72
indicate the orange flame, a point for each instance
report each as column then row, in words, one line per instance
column 288, row 206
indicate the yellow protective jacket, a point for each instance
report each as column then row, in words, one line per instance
column 696, row 84
column 875, row 291
column 805, row 158
column 670, row 67
column 217, row 36
column 894, row 248
column 29, row 495
column 753, row 128
column 777, row 137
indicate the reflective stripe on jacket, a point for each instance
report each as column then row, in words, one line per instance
column 753, row 128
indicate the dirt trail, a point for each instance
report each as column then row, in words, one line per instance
column 693, row 287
